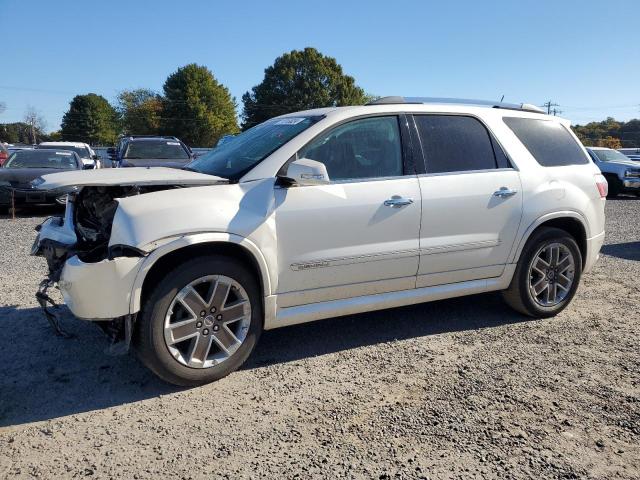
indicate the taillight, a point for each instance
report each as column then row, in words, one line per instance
column 3, row 157
column 603, row 186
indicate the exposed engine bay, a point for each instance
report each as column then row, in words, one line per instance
column 85, row 231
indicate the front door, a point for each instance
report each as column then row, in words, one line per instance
column 359, row 234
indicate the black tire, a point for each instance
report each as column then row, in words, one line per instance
column 518, row 296
column 615, row 186
column 149, row 339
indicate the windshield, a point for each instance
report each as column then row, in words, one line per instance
column 40, row 159
column 83, row 152
column 155, row 149
column 609, row 155
column 241, row 153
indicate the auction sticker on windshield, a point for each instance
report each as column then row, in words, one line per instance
column 290, row 121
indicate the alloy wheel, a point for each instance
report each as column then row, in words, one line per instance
column 207, row 321
column 551, row 274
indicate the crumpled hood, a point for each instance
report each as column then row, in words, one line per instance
column 21, row 177
column 126, row 176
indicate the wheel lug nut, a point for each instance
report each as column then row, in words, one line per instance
column 203, row 313
column 213, row 309
column 218, row 317
column 216, row 328
column 205, row 331
column 199, row 324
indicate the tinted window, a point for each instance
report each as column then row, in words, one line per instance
column 549, row 142
column 366, row 148
column 453, row 143
column 239, row 154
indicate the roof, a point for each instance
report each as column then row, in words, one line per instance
column 456, row 101
column 64, row 144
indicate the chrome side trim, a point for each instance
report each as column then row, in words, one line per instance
column 460, row 247
column 334, row 262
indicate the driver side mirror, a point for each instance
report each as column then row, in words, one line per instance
column 305, row 171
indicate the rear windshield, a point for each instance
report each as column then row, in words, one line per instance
column 40, row 159
column 155, row 149
column 83, row 152
column 548, row 141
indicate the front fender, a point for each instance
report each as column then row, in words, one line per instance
column 169, row 245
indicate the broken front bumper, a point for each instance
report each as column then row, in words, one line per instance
column 98, row 290
column 101, row 290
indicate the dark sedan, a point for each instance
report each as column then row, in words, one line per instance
column 26, row 165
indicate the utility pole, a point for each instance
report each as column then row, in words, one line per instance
column 549, row 105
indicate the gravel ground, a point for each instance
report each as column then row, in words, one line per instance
column 453, row 389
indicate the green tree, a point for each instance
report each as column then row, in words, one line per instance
column 20, row 132
column 90, row 119
column 299, row 80
column 140, row 111
column 196, row 107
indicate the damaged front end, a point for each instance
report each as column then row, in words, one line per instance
column 79, row 240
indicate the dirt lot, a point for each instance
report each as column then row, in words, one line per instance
column 454, row 389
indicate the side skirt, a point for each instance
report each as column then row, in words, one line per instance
column 276, row 317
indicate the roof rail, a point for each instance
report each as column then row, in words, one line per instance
column 456, row 101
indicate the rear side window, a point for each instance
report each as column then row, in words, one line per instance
column 454, row 143
column 549, row 142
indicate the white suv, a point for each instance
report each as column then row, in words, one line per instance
column 324, row 213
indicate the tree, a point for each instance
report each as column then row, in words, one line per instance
column 140, row 111
column 20, row 132
column 300, row 80
column 196, row 107
column 35, row 123
column 609, row 142
column 90, row 119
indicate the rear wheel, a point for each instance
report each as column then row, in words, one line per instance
column 547, row 275
column 201, row 322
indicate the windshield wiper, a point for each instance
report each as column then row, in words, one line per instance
column 190, row 169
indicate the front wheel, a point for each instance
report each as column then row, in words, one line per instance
column 201, row 322
column 547, row 274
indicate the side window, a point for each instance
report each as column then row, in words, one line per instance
column 366, row 148
column 548, row 141
column 454, row 143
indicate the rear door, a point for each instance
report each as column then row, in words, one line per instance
column 471, row 201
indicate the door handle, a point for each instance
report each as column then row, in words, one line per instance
column 397, row 201
column 504, row 192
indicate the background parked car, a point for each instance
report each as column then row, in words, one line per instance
column 26, row 165
column 622, row 173
column 4, row 154
column 143, row 151
column 632, row 153
column 84, row 151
